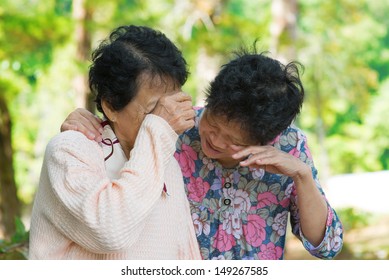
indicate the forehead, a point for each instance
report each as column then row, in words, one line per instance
column 221, row 120
column 231, row 128
column 154, row 86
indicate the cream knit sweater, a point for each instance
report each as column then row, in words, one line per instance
column 80, row 212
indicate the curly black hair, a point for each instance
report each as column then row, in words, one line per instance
column 259, row 92
column 129, row 52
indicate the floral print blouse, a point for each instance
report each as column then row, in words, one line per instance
column 241, row 213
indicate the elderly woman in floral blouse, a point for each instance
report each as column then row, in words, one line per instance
column 246, row 167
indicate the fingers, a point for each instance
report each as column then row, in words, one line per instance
column 243, row 152
column 259, row 159
column 187, row 104
column 177, row 110
column 170, row 103
column 254, row 156
column 67, row 125
column 90, row 120
column 181, row 121
column 270, row 159
column 185, row 125
column 85, row 122
column 237, row 148
column 181, row 97
column 78, row 126
column 188, row 113
column 185, row 120
column 176, row 103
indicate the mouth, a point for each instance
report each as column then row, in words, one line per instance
column 211, row 148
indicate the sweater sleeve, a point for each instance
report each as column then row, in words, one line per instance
column 104, row 215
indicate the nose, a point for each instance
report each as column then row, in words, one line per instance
column 218, row 141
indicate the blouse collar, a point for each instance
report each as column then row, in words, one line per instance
column 114, row 155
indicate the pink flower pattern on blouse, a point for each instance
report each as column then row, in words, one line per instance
column 241, row 213
column 254, row 230
column 270, row 252
column 223, row 241
column 186, row 159
column 197, row 189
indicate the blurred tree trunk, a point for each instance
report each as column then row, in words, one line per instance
column 206, row 64
column 283, row 29
column 207, row 67
column 9, row 202
column 321, row 130
column 82, row 14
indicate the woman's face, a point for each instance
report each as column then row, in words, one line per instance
column 130, row 118
column 217, row 135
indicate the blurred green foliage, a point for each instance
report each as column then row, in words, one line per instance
column 17, row 247
column 353, row 218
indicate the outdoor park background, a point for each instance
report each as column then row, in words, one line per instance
column 45, row 48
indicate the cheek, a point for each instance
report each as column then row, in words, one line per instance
column 204, row 130
column 136, row 117
column 132, row 120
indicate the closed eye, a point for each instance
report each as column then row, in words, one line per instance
column 239, row 144
column 211, row 123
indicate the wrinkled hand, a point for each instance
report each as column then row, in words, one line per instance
column 85, row 122
column 177, row 110
column 271, row 160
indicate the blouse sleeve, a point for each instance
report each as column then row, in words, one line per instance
column 332, row 242
column 101, row 214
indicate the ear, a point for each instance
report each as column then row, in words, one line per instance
column 108, row 111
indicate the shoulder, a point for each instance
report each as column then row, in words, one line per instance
column 198, row 111
column 193, row 133
column 72, row 142
column 294, row 131
column 69, row 138
column 290, row 138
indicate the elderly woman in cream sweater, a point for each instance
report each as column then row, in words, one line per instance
column 123, row 198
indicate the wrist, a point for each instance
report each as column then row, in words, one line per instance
column 303, row 174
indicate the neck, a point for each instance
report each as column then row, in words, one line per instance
column 127, row 145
